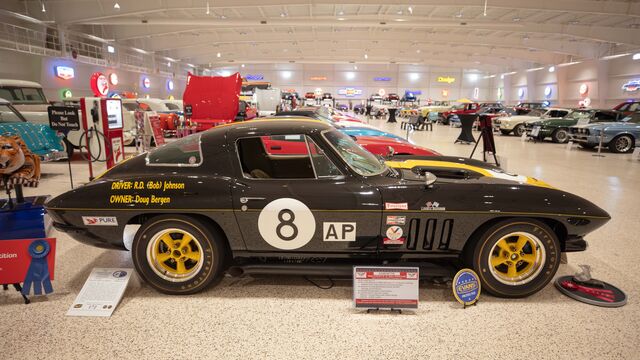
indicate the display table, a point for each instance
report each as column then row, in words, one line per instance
column 392, row 115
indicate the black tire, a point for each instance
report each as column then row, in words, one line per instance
column 208, row 243
column 479, row 255
column 560, row 136
column 622, row 144
column 505, row 132
column 519, row 130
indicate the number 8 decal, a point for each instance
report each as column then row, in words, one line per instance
column 286, row 224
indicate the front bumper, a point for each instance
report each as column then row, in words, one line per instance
column 574, row 244
column 83, row 235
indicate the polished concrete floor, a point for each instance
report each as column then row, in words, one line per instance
column 287, row 317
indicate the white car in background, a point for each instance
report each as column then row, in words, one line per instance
column 516, row 124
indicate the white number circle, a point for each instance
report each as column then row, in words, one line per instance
column 286, row 224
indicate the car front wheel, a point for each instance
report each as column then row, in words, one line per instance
column 560, row 136
column 518, row 130
column 515, row 257
column 622, row 144
column 178, row 254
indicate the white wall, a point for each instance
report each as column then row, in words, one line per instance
column 20, row 66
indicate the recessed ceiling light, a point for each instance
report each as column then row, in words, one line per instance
column 636, row 56
column 399, row 12
column 208, row 11
column 341, row 19
column 418, row 51
column 410, row 9
column 242, row 65
column 283, row 14
column 44, row 9
column 340, row 12
column 552, row 69
column 400, row 20
column 218, row 55
column 116, row 6
column 366, row 56
column 459, row 15
column 223, row 17
column 516, row 19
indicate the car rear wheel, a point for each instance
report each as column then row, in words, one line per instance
column 622, row 144
column 515, row 257
column 178, row 254
column 518, row 130
column 560, row 136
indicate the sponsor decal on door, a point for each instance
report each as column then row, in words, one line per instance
column 100, row 220
column 287, row 224
column 396, row 220
column 396, row 206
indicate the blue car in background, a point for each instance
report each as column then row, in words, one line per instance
column 620, row 137
column 40, row 139
column 365, row 131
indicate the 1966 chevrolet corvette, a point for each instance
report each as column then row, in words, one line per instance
column 229, row 200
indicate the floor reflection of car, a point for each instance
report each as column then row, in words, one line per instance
column 39, row 138
column 619, row 137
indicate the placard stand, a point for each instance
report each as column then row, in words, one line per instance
column 599, row 154
column 488, row 143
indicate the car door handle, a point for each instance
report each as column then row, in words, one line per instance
column 244, row 200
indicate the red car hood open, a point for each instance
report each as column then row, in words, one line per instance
column 379, row 145
column 213, row 97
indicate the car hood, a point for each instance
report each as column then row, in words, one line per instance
column 489, row 173
column 213, row 97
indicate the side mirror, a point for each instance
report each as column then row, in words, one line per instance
column 429, row 179
column 390, row 151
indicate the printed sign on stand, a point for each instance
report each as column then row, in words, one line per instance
column 156, row 129
column 379, row 287
column 101, row 293
column 63, row 118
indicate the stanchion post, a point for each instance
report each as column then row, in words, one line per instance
column 599, row 147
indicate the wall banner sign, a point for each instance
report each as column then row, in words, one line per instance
column 146, row 82
column 379, row 287
column 446, row 79
column 521, row 93
column 350, row 92
column 631, row 86
column 413, row 92
column 382, row 78
column 547, row 91
column 318, row 78
column 65, row 72
column 254, row 77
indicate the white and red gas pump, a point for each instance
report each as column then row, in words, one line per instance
column 102, row 121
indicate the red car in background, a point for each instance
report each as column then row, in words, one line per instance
column 525, row 108
column 628, row 107
column 466, row 108
column 214, row 100
column 295, row 145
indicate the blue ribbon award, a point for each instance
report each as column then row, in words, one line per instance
column 38, row 272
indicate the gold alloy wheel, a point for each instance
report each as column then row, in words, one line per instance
column 175, row 255
column 517, row 258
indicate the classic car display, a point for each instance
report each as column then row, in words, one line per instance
column 218, row 201
column 558, row 128
column 368, row 131
column 392, row 97
column 214, row 99
column 516, row 124
column 434, row 109
column 40, row 139
column 620, row 137
column 525, row 108
column 463, row 108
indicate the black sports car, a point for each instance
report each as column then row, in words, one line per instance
column 252, row 197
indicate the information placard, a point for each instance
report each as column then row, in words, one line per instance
column 63, row 118
column 380, row 287
column 101, row 292
column 155, row 124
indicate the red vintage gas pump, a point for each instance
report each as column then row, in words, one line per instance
column 102, row 122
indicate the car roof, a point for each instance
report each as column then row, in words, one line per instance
column 268, row 125
column 24, row 83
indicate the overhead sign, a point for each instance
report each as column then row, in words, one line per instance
column 146, row 82
column 170, row 85
column 413, row 92
column 350, row 92
column 521, row 93
column 65, row 72
column 66, row 93
column 99, row 84
column 383, row 78
column 318, row 78
column 547, row 91
column 385, row 287
column 63, row 118
column 254, row 77
column 631, row 86
column 446, row 79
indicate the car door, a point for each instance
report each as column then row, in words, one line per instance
column 290, row 196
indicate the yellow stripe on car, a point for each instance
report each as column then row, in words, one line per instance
column 410, row 164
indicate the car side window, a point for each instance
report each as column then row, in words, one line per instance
column 283, row 157
column 634, row 106
column 600, row 116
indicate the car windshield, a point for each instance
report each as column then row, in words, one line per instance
column 359, row 159
column 577, row 115
column 172, row 106
column 7, row 115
